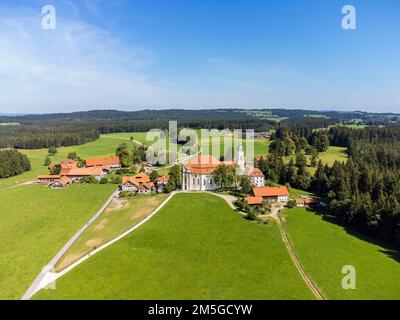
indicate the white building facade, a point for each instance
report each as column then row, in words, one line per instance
column 198, row 174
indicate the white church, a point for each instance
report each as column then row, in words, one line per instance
column 197, row 174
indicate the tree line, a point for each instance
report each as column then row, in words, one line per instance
column 13, row 163
column 364, row 191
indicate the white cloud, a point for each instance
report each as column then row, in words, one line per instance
column 77, row 66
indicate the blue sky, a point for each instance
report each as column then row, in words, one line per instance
column 131, row 55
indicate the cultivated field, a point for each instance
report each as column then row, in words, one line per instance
column 194, row 248
column 325, row 247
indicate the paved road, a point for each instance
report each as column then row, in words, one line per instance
column 41, row 278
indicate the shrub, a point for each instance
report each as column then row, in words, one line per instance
column 103, row 180
column 126, row 194
column 291, row 204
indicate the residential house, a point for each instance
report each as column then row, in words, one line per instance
column 63, row 182
column 272, row 194
column 257, row 178
column 161, row 183
column 139, row 183
column 79, row 173
column 48, row 178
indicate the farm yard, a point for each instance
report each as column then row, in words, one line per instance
column 196, row 247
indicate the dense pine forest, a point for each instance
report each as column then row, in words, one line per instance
column 13, row 163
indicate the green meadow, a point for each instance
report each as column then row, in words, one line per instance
column 35, row 223
column 196, row 247
column 324, row 247
column 120, row 215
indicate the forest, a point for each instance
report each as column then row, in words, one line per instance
column 363, row 192
column 13, row 163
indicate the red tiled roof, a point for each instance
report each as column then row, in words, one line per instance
column 270, row 191
column 255, row 172
column 136, row 180
column 253, row 200
column 65, row 180
column 44, row 177
column 95, row 162
column 206, row 164
column 310, row 201
column 163, row 179
column 81, row 172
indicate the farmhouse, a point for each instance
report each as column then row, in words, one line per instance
column 140, row 183
column 272, row 194
column 48, row 178
column 112, row 162
column 79, row 173
column 63, row 182
column 254, row 201
column 69, row 164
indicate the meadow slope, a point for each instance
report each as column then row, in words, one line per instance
column 325, row 247
column 196, row 247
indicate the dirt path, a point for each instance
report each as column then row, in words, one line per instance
column 309, row 282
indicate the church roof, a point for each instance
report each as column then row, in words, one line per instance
column 206, row 164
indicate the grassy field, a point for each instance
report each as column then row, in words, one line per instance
column 328, row 157
column 194, row 248
column 118, row 217
column 325, row 247
column 35, row 223
column 4, row 124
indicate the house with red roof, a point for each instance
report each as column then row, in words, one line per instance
column 79, row 173
column 63, row 182
column 272, row 194
column 139, row 183
column 112, row 162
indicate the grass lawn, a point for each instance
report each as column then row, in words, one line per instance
column 35, row 223
column 196, row 247
column 120, row 215
column 325, row 247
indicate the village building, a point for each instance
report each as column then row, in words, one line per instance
column 79, row 173
column 254, row 201
column 272, row 194
column 198, row 174
column 63, row 182
column 257, row 178
column 111, row 162
column 69, row 164
column 161, row 183
column 140, row 183
column 48, row 178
